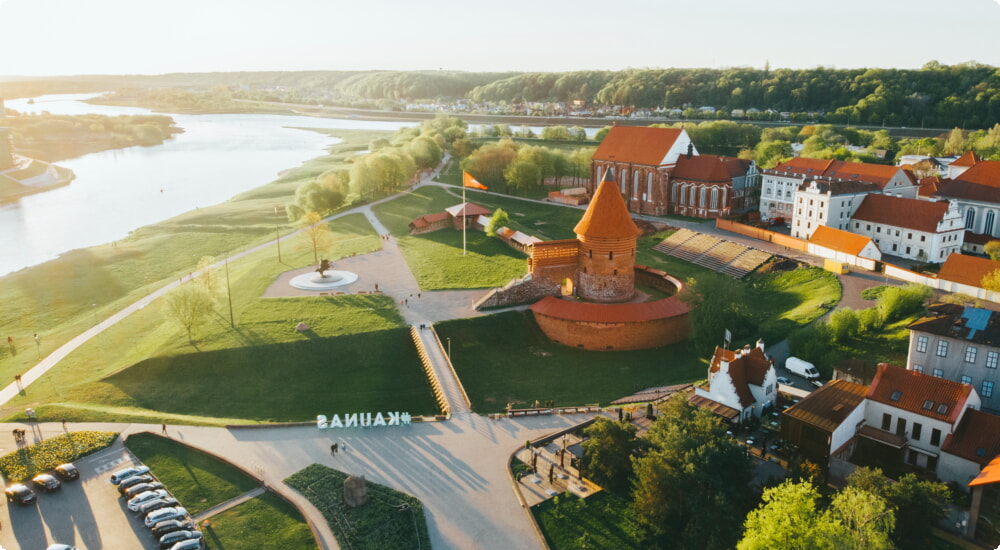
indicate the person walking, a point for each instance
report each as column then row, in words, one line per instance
column 163, row 429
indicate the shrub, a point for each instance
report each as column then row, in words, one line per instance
column 874, row 292
column 812, row 343
column 869, row 319
column 844, row 324
column 39, row 458
column 898, row 302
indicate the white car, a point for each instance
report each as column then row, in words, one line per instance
column 164, row 514
column 135, row 502
column 118, row 476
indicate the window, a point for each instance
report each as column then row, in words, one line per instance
column 917, row 430
column 942, row 348
column 922, row 344
column 868, row 227
column 938, row 373
column 970, row 218
column 857, row 225
column 942, row 408
column 901, row 426
column 988, row 225
column 649, row 188
column 928, row 405
column 704, row 196
column 683, row 193
column 886, row 421
column 599, row 170
column 918, row 368
column 991, row 359
column 611, row 255
column 801, row 200
column 987, row 389
column 878, row 229
column 715, row 198
column 966, row 380
column 935, row 437
column 909, row 236
column 673, row 193
column 970, row 354
column 895, row 395
column 923, row 238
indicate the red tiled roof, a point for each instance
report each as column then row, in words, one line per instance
column 879, row 174
column 913, row 390
column 428, row 219
column 917, row 214
column 966, row 270
column 929, row 186
column 970, row 158
column 841, row 241
column 828, row 406
column 976, row 238
column 710, row 168
column 609, row 313
column 466, row 209
column 607, row 217
column 804, row 166
column 977, row 437
column 979, row 183
column 637, row 144
column 750, row 368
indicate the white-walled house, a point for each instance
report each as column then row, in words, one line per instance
column 916, row 229
column 830, row 203
column 844, row 247
column 743, row 380
column 823, row 424
column 974, row 443
column 976, row 190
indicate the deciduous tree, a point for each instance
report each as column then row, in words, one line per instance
column 497, row 220
column 607, row 454
column 189, row 305
column 316, row 233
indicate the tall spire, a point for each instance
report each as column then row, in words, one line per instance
column 607, row 216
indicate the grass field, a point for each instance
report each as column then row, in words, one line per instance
column 599, row 521
column 378, row 525
column 792, row 299
column 263, row 523
column 199, row 481
column 506, row 358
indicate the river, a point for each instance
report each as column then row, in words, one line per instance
column 215, row 158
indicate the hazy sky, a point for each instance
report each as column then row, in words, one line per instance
column 64, row 37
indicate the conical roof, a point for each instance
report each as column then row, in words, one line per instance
column 607, row 217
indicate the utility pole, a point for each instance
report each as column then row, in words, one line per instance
column 277, row 240
column 229, row 293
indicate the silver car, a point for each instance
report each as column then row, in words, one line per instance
column 163, row 514
column 135, row 502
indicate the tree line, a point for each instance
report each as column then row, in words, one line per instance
column 54, row 137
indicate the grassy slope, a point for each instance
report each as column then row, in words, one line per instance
column 599, row 521
column 197, row 480
column 264, row 523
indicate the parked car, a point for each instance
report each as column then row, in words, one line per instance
column 170, row 539
column 19, row 493
column 165, row 513
column 121, row 475
column 168, row 502
column 817, row 383
column 47, row 482
column 783, row 380
column 134, row 480
column 138, row 500
column 142, row 488
column 171, row 525
column 190, row 544
column 67, row 472
column 61, row 547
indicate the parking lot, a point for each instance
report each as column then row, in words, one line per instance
column 71, row 515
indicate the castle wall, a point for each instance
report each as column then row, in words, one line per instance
column 606, row 269
column 520, row 292
column 627, row 335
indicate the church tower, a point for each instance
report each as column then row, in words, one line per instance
column 6, row 156
column 607, row 234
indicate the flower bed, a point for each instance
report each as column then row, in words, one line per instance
column 42, row 457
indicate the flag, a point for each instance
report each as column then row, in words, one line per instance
column 729, row 336
column 469, row 181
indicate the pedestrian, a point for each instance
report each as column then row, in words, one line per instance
column 64, row 424
column 163, row 429
column 333, row 449
column 343, row 444
column 418, row 295
column 376, row 287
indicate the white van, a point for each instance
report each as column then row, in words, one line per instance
column 805, row 369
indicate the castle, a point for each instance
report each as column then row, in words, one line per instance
column 599, row 267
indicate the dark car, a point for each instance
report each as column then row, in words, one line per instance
column 142, row 488
column 147, row 507
column 134, row 480
column 170, row 539
column 67, row 472
column 47, row 482
column 20, row 493
column 171, row 525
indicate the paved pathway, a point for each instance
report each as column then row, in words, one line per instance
column 231, row 503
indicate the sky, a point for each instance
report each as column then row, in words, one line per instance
column 71, row 37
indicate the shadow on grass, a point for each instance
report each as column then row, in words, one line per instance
column 210, row 532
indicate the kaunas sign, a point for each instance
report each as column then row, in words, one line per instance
column 362, row 420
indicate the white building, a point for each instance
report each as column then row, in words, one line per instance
column 976, row 189
column 844, row 247
column 915, row 229
column 830, row 203
column 743, row 381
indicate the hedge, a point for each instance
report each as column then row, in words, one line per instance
column 29, row 461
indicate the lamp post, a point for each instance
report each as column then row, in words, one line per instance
column 229, row 293
column 38, row 346
column 277, row 239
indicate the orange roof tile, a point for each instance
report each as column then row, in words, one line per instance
column 979, row 183
column 917, row 214
column 803, row 166
column 879, row 174
column 609, row 313
column 750, row 368
column 637, row 144
column 970, row 158
column 919, row 393
column 966, row 270
column 838, row 240
column 607, row 217
column 929, row 186
column 828, row 406
column 977, row 437
column 989, row 474
column 710, row 168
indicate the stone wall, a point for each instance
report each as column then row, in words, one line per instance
column 520, row 291
column 615, row 336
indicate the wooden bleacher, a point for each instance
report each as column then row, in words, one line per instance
column 743, row 264
column 696, row 246
column 718, row 256
column 675, row 240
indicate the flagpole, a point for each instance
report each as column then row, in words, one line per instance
column 463, row 218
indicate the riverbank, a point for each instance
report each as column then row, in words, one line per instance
column 52, row 138
column 32, row 176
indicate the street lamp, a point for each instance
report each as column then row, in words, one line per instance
column 38, row 346
column 277, row 239
column 229, row 293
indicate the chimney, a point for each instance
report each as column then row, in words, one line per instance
column 690, row 152
column 760, row 344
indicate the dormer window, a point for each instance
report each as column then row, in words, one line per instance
column 942, row 409
column 895, row 395
column 928, row 405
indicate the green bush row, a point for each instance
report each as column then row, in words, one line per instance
column 29, row 461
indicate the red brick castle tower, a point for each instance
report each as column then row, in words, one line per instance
column 606, row 268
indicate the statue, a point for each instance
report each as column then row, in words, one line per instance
column 355, row 491
column 324, row 265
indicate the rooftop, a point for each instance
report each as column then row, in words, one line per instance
column 979, row 183
column 977, row 437
column 748, row 365
column 607, row 217
column 841, row 241
column 828, row 406
column 919, row 393
column 710, row 168
column 915, row 214
column 637, row 144
column 966, row 270
column 980, row 326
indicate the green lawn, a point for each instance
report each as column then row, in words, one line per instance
column 264, row 523
column 506, row 358
column 199, row 481
column 789, row 300
column 599, row 521
column 379, row 524
column 292, row 381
